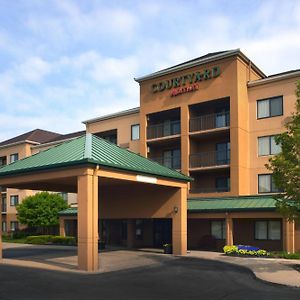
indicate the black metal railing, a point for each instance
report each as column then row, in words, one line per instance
column 173, row 162
column 211, row 121
column 163, row 129
column 208, row 159
column 209, row 190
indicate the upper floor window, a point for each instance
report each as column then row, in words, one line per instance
column 271, row 107
column 268, row 146
column 64, row 196
column 223, row 184
column 2, row 161
column 266, row 184
column 14, row 200
column 135, row 132
column 13, row 157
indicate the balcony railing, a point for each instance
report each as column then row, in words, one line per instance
column 210, row 190
column 163, row 129
column 212, row 121
column 209, row 159
column 172, row 162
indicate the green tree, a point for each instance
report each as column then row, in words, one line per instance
column 41, row 210
column 286, row 166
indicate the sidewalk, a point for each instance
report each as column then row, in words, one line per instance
column 279, row 271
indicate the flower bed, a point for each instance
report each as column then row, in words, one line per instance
column 244, row 250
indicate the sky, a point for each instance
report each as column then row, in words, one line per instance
column 66, row 61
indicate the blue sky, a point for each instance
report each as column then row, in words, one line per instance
column 63, row 61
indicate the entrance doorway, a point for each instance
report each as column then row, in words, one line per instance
column 162, row 232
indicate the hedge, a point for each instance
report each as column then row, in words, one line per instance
column 50, row 239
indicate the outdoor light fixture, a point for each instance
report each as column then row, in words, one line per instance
column 175, row 209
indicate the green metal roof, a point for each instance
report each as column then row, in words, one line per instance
column 90, row 149
column 242, row 203
column 71, row 211
column 225, row 204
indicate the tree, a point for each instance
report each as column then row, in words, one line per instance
column 286, row 166
column 41, row 210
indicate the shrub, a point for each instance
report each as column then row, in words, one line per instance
column 49, row 239
column 63, row 240
column 242, row 250
column 38, row 239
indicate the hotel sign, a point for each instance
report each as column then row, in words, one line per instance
column 186, row 83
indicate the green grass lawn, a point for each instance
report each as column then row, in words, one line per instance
column 283, row 254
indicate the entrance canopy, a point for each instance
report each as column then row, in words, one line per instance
column 126, row 181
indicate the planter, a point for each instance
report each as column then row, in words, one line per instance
column 168, row 249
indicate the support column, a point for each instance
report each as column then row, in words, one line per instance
column 130, row 233
column 62, row 231
column 289, row 236
column 1, row 226
column 87, row 186
column 229, row 230
column 185, row 139
column 179, row 224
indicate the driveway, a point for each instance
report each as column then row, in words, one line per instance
column 164, row 277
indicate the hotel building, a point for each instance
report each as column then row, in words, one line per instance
column 214, row 119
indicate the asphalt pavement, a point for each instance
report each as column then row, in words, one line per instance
column 178, row 278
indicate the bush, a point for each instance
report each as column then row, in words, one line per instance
column 38, row 239
column 241, row 250
column 49, row 239
column 286, row 255
column 63, row 240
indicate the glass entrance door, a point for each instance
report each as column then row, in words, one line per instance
column 162, row 232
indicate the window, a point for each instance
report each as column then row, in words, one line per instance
column 266, row 184
column 172, row 159
column 14, row 157
column 272, row 107
column 14, row 225
column 14, row 200
column 3, row 208
column 2, row 161
column 139, row 229
column 223, row 153
column 268, row 146
column 4, row 227
column 124, row 229
column 223, row 184
column 135, row 132
column 267, row 230
column 218, row 229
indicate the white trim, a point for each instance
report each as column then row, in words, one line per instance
column 18, row 143
column 274, row 78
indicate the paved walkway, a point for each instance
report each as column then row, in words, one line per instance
column 64, row 258
column 279, row 271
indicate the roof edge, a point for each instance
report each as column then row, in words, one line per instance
column 274, row 78
column 54, row 142
column 130, row 111
column 18, row 143
column 203, row 61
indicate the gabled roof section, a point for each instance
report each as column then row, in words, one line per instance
column 207, row 58
column 38, row 136
column 231, row 204
column 90, row 149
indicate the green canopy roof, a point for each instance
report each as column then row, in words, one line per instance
column 90, row 149
column 224, row 204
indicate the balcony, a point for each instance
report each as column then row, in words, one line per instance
column 209, row 122
column 166, row 129
column 210, row 159
column 172, row 162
